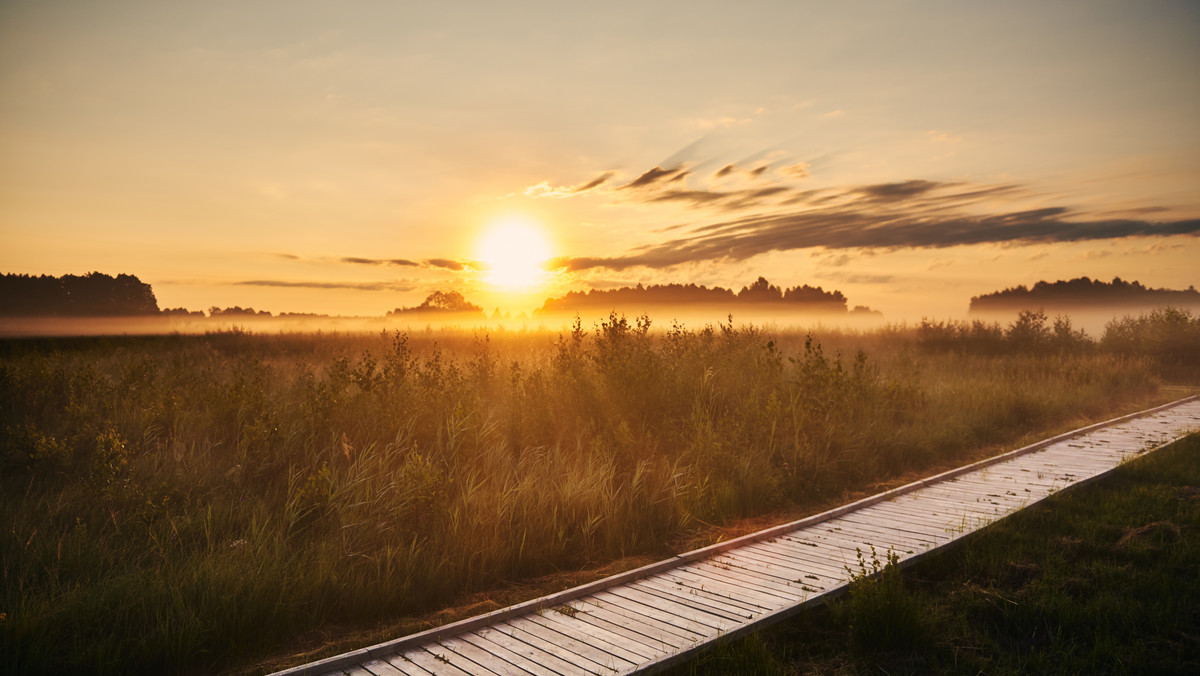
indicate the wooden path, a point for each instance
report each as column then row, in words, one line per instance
column 658, row 615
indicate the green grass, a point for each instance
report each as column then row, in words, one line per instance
column 1100, row 580
column 176, row 504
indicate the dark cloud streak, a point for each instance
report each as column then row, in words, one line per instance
column 380, row 261
column 355, row 286
column 594, row 183
column 847, row 228
column 653, row 176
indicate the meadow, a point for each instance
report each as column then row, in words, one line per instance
column 186, row 504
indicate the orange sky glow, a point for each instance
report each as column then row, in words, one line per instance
column 352, row 158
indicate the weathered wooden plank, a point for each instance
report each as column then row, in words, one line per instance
column 690, row 613
column 612, row 634
column 822, row 570
column 406, row 666
column 604, row 641
column 731, row 575
column 490, row 662
column 935, row 516
column 562, row 645
column 759, row 600
column 531, row 652
column 378, row 667
column 658, row 612
column 779, row 571
column 565, row 650
column 835, row 551
column 797, row 568
column 1067, row 463
column 995, row 494
column 494, row 648
column 984, row 512
column 436, row 660
column 1003, row 494
column 865, row 528
column 805, row 582
column 668, row 632
column 720, row 607
column 742, row 603
column 893, row 537
column 928, row 525
column 749, row 578
column 647, row 634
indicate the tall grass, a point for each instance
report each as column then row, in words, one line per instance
column 183, row 503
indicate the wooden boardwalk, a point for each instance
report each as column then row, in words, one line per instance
column 658, row 615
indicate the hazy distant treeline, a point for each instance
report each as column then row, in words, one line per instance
column 94, row 295
column 441, row 303
column 761, row 292
column 1082, row 293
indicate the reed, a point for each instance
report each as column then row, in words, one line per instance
column 183, row 503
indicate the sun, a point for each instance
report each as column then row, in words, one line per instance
column 514, row 252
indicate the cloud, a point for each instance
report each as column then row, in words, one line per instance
column 892, row 192
column 595, row 182
column 403, row 262
column 355, row 286
column 725, row 171
column 696, row 197
column 728, row 200
column 653, row 176
column 888, row 219
column 544, row 189
column 852, row 278
column 449, row 264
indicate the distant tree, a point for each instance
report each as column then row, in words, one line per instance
column 442, row 302
column 761, row 292
column 94, row 294
column 1081, row 293
column 236, row 311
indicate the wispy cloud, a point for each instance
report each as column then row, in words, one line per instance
column 455, row 265
column 438, row 263
column 894, row 192
column 656, row 175
column 909, row 214
column 379, row 261
column 355, row 286
column 544, row 189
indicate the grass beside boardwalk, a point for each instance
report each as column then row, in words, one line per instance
column 177, row 504
column 1101, row 580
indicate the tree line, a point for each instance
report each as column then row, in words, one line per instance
column 92, row 295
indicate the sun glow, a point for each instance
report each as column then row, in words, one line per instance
column 514, row 252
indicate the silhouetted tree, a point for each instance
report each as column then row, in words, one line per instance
column 760, row 293
column 94, row 294
column 236, row 311
column 442, row 302
column 1081, row 293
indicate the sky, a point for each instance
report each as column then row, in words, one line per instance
column 350, row 158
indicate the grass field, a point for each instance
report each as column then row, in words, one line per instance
column 182, row 504
column 1101, row 580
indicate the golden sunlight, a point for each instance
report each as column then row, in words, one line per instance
column 514, row 251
